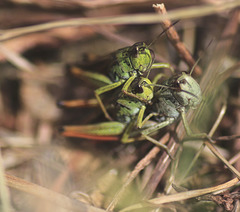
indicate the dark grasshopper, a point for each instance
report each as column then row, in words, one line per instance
column 173, row 97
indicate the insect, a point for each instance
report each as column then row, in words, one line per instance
column 126, row 64
column 173, row 97
column 127, row 110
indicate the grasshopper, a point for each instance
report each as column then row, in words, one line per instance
column 126, row 64
column 175, row 96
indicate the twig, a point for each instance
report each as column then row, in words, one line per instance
column 140, row 166
column 163, row 164
column 175, row 40
column 227, row 138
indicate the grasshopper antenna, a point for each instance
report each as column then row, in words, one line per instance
column 195, row 64
column 154, row 40
column 172, row 88
column 200, row 57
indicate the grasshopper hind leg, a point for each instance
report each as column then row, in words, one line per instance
column 162, row 146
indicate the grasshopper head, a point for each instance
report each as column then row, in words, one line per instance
column 143, row 89
column 141, row 57
column 186, row 90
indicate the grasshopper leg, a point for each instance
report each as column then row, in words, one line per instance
column 96, row 78
column 105, row 89
column 163, row 65
column 152, row 129
column 127, row 85
column 158, row 126
column 209, row 143
column 77, row 103
column 162, row 146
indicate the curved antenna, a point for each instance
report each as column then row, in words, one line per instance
column 150, row 65
column 172, row 88
column 200, row 57
column 154, row 40
column 195, row 64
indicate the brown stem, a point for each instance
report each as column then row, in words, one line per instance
column 175, row 40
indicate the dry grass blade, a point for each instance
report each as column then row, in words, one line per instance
column 183, row 195
column 4, row 193
column 190, row 12
column 46, row 194
column 140, row 166
column 17, row 60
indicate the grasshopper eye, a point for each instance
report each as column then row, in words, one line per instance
column 134, row 52
column 142, row 49
column 183, row 81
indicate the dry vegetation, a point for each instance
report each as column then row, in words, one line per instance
column 42, row 171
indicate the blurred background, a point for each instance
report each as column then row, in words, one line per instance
column 34, row 76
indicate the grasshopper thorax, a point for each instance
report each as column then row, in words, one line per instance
column 186, row 90
column 141, row 57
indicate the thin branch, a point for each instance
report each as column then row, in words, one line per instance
column 175, row 40
column 140, row 166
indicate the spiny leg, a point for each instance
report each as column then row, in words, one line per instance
column 145, row 133
column 141, row 122
column 173, row 172
column 163, row 65
column 212, row 131
column 208, row 142
column 136, row 122
column 105, row 89
column 125, row 137
column 95, row 78
column 158, row 126
column 126, row 87
column 158, row 77
column 162, row 146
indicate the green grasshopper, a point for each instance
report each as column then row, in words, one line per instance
column 128, row 113
column 126, row 64
column 175, row 96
